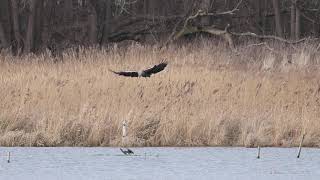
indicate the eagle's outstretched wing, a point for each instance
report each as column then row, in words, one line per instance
column 145, row 73
column 126, row 73
column 155, row 69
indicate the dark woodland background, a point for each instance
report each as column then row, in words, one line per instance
column 34, row 25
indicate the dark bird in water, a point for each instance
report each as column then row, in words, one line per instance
column 126, row 151
column 144, row 73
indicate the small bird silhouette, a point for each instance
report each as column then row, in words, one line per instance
column 127, row 151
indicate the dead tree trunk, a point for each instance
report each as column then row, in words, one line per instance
column 145, row 7
column 92, row 22
column 68, row 8
column 3, row 39
column 297, row 29
column 16, row 28
column 38, row 25
column 258, row 19
column 107, row 22
column 93, row 28
column 276, row 7
column 31, row 24
column 292, row 20
column 264, row 16
column 152, row 8
column 205, row 6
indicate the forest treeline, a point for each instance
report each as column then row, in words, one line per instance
column 34, row 25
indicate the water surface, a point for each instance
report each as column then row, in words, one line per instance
column 158, row 163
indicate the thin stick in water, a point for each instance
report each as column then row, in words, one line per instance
column 258, row 157
column 8, row 157
column 299, row 152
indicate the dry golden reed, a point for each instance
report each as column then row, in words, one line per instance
column 207, row 96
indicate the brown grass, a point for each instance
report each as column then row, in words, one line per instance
column 207, row 96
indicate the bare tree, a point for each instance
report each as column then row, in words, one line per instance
column 276, row 7
column 3, row 39
column 205, row 6
column 92, row 22
column 297, row 23
column 16, row 27
column 31, row 25
column 27, row 24
column 292, row 19
column 225, row 34
column 67, row 15
column 264, row 15
column 146, row 7
column 38, row 29
column 106, row 22
column 295, row 20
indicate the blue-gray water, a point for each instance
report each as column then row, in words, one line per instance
column 159, row 163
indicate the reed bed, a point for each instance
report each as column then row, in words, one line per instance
column 207, row 96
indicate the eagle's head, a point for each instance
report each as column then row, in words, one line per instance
column 143, row 74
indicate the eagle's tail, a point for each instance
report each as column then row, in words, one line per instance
column 113, row 71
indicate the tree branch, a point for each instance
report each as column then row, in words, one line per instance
column 265, row 45
column 230, row 12
column 268, row 37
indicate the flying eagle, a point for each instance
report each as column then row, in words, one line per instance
column 144, row 73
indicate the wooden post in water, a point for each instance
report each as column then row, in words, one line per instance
column 8, row 157
column 299, row 152
column 258, row 156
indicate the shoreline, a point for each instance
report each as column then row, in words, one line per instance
column 206, row 97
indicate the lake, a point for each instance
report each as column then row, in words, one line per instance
column 158, row 163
